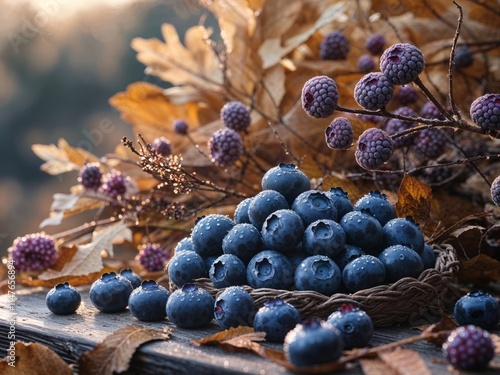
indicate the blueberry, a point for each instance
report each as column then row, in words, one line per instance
column 428, row 257
column 363, row 273
column 363, row 230
column 147, row 302
column 227, row 270
column 185, row 244
column 190, row 307
column 186, row 266
column 282, row 230
column 234, row 307
column 400, row 261
column 313, row 342
column 318, row 273
column 478, row 308
column 110, row 293
column 276, row 318
column 241, row 211
column 354, row 324
column 341, row 202
column 243, row 240
column 403, row 231
column 63, row 299
column 286, row 179
column 313, row 205
column 296, row 256
column 208, row 233
column 131, row 276
column 264, row 204
column 347, row 254
column 270, row 269
column 376, row 204
column 325, row 237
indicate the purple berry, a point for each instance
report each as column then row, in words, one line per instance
column 463, row 57
column 485, row 111
column 33, row 252
column 373, row 91
column 90, row 176
column 226, row 146
column 320, row 96
column 495, row 191
column 402, row 63
column 374, row 148
column 366, row 63
column 115, row 184
column 395, row 126
column 152, row 257
column 430, row 111
column 407, row 95
column 430, row 143
column 334, row 46
column 162, row 146
column 339, row 134
column 375, row 44
column 180, row 127
column 236, row 116
column 469, row 348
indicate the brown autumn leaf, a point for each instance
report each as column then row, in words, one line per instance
column 34, row 359
column 228, row 334
column 87, row 258
column 443, row 327
column 405, row 361
column 481, row 269
column 414, row 199
column 56, row 159
column 485, row 12
column 72, row 280
column 376, row 366
column 115, row 352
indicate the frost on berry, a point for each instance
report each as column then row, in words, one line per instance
column 152, row 257
column 374, row 148
column 236, row 116
column 339, row 134
column 225, row 146
column 320, row 96
column 485, row 111
column 33, row 252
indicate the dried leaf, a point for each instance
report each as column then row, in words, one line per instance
column 481, row 269
column 376, row 366
column 77, row 156
column 484, row 13
column 277, row 17
column 34, row 359
column 414, row 199
column 56, row 160
column 222, row 336
column 87, row 258
column 115, row 352
column 444, row 326
column 405, row 361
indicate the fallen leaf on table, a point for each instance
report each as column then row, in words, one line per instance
column 34, row 359
column 115, row 352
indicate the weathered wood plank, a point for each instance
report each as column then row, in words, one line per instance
column 72, row 335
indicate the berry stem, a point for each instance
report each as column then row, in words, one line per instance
column 432, row 98
column 451, row 65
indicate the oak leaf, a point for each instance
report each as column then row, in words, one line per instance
column 34, row 359
column 116, row 351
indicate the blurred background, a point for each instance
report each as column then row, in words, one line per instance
column 60, row 62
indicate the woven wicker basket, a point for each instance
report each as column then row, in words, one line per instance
column 386, row 304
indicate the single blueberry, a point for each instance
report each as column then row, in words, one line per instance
column 318, row 273
column 264, row 204
column 244, row 241
column 208, row 233
column 287, row 179
column 63, row 299
column 227, row 270
column 110, row 293
column 400, row 261
column 270, row 269
column 147, row 302
column 276, row 318
column 313, row 205
column 131, row 276
column 354, row 324
column 363, row 273
column 325, row 237
column 234, row 307
column 186, row 266
column 190, row 307
column 403, row 231
column 478, row 308
column 282, row 230
column 376, row 204
column 364, row 231
column 341, row 202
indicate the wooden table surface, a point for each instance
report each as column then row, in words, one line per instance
column 71, row 335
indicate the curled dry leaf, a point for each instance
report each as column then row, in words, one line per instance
column 34, row 359
column 414, row 199
column 115, row 352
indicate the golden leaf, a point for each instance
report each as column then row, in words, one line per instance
column 375, row 366
column 34, row 359
column 56, row 159
column 414, row 199
column 87, row 258
column 113, row 355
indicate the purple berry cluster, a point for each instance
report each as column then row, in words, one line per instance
column 152, row 257
column 180, row 127
column 339, row 134
column 373, row 91
column 90, row 176
column 115, row 184
column 334, row 46
column 225, row 146
column 485, row 111
column 33, row 252
column 320, row 96
column 375, row 44
column 236, row 116
column 374, row 148
column 162, row 146
column 401, row 63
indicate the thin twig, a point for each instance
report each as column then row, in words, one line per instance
column 451, row 65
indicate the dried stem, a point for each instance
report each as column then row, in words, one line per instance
column 453, row 104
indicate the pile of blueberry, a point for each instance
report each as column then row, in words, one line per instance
column 292, row 237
